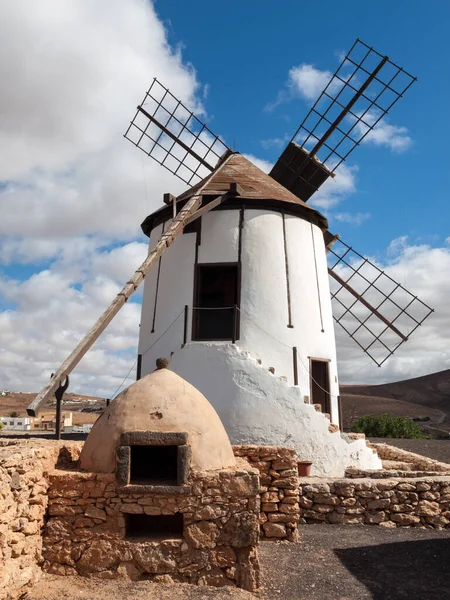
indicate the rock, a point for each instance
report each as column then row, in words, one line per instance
column 152, row 510
column 276, row 530
column 323, row 508
column 95, row 513
column 305, row 502
column 405, row 519
column 421, row 486
column 243, row 485
column 325, row 499
column 348, row 502
column 374, row 518
column 377, row 504
column 132, row 508
column 241, row 530
column 202, row 534
column 428, row 509
column 128, row 571
column 151, row 559
column 223, row 557
column 269, row 507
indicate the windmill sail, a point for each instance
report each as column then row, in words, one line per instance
column 167, row 131
column 359, row 94
column 378, row 313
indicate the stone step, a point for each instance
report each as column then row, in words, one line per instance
column 318, row 407
column 397, row 465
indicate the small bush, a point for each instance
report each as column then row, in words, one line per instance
column 387, row 426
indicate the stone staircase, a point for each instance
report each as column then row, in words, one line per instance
column 259, row 407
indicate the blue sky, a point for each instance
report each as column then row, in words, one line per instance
column 73, row 192
column 244, row 52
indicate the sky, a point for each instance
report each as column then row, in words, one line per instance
column 73, row 192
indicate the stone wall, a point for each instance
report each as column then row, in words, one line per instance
column 23, row 501
column 415, row 462
column 86, row 530
column 279, row 489
column 417, row 502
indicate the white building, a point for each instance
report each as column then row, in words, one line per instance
column 85, row 428
column 252, row 271
column 17, row 423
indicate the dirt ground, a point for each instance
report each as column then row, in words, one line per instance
column 331, row 562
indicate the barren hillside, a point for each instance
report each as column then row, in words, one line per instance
column 426, row 396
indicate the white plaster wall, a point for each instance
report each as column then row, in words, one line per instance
column 220, row 237
column 264, row 328
column 257, row 407
column 176, row 288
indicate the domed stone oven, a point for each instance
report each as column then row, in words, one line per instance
column 158, row 494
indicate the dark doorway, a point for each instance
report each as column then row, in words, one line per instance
column 154, row 465
column 216, row 294
column 320, row 384
column 149, row 527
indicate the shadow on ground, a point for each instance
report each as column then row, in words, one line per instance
column 404, row 570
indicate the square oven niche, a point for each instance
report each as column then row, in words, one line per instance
column 153, row 528
column 153, row 460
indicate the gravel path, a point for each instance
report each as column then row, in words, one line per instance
column 332, row 562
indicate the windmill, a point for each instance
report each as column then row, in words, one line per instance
column 255, row 264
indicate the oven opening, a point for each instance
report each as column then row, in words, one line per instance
column 151, row 527
column 154, row 465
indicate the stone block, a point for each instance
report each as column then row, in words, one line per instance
column 274, row 530
column 405, row 519
column 202, row 534
column 426, row 508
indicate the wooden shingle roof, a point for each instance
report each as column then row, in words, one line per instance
column 258, row 189
column 254, row 182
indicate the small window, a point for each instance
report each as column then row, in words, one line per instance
column 216, row 295
column 154, row 528
column 150, row 465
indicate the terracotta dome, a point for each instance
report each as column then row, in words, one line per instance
column 161, row 401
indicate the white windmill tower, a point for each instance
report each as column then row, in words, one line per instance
column 243, row 296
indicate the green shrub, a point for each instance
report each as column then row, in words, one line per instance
column 387, row 426
column 1, row 425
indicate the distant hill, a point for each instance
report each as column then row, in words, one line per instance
column 426, row 396
column 75, row 403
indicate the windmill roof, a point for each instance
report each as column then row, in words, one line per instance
column 257, row 187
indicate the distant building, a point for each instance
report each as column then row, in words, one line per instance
column 86, row 428
column 48, row 423
column 17, row 423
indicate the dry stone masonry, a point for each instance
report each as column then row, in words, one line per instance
column 86, row 532
column 279, row 489
column 23, row 502
column 389, row 502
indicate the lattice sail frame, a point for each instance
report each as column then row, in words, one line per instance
column 363, row 89
column 167, row 131
column 375, row 290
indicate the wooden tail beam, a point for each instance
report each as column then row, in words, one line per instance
column 188, row 213
column 354, row 293
column 166, row 240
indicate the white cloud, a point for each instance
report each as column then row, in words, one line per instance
column 262, row 164
column 307, row 81
column 384, row 134
column 336, row 188
column 419, row 268
column 351, row 218
column 73, row 191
